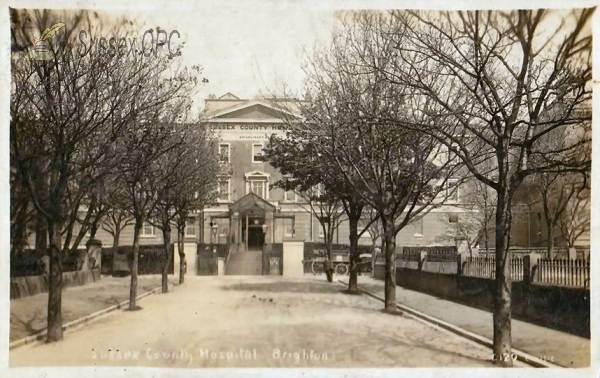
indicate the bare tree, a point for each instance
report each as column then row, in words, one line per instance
column 67, row 114
column 174, row 189
column 373, row 225
column 575, row 221
column 473, row 225
column 196, row 181
column 319, row 181
column 394, row 170
column 326, row 206
column 557, row 191
column 491, row 85
column 59, row 105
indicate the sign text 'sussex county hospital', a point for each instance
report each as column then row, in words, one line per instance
column 247, row 127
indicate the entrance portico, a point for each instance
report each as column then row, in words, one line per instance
column 251, row 223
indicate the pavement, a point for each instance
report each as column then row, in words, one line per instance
column 547, row 344
column 256, row 321
column 28, row 314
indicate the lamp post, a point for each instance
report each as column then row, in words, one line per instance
column 214, row 228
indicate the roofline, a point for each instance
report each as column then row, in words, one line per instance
column 247, row 104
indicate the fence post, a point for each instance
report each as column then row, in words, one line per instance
column 530, row 263
column 422, row 258
column 459, row 260
column 527, row 278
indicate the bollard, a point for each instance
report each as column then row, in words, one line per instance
column 220, row 266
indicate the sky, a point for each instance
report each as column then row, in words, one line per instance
column 246, row 50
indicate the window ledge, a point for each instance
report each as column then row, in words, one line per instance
column 417, row 235
column 147, row 236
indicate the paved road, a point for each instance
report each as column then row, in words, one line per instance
column 555, row 346
column 256, row 322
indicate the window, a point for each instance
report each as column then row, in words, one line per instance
column 288, row 226
column 452, row 190
column 224, row 190
column 147, row 229
column 190, row 227
column 223, row 228
column 418, row 227
column 452, row 157
column 290, row 196
column 224, row 152
column 257, row 153
column 258, row 187
column 452, row 218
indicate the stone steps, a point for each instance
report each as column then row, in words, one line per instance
column 247, row 263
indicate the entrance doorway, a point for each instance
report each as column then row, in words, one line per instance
column 255, row 237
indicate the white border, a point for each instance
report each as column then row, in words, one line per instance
column 255, row 5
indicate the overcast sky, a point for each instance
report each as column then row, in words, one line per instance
column 246, row 49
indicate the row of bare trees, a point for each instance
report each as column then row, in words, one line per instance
column 100, row 141
column 404, row 105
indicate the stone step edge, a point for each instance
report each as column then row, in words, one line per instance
column 521, row 356
column 41, row 335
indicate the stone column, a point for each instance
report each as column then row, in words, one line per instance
column 234, row 231
column 270, row 225
column 220, row 266
column 572, row 253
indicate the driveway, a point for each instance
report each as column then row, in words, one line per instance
column 256, row 321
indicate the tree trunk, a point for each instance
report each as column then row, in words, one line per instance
column 182, row 262
column 116, row 238
column 55, row 331
column 502, row 298
column 353, row 280
column 134, row 265
column 390, row 265
column 167, row 263
column 373, row 257
column 328, row 246
column 41, row 234
column 550, row 239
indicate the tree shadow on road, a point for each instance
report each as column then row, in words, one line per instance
column 26, row 326
column 287, row 287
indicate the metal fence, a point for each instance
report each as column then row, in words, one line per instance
column 485, row 267
column 520, row 252
column 563, row 272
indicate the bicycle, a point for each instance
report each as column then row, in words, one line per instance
column 316, row 263
column 317, row 266
column 342, row 269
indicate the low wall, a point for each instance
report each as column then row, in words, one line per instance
column 207, row 266
column 21, row 287
column 563, row 308
column 150, row 260
column 274, row 250
column 293, row 251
